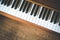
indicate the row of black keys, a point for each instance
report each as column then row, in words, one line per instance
column 26, row 6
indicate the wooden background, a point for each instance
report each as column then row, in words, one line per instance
column 14, row 30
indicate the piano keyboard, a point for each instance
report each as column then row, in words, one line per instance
column 31, row 12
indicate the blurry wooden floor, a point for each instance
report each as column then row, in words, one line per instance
column 14, row 30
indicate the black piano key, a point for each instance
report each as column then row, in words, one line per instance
column 52, row 17
column 56, row 18
column 2, row 1
column 5, row 2
column 13, row 3
column 36, row 10
column 33, row 9
column 41, row 12
column 30, row 4
column 17, row 4
column 59, row 23
column 25, row 6
column 9, row 2
column 22, row 5
column 59, row 18
column 47, row 16
column 44, row 13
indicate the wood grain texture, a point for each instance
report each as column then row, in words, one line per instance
column 52, row 4
column 15, row 30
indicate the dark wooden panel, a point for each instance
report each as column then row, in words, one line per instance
column 50, row 3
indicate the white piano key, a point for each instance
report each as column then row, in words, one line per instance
column 24, row 15
column 21, row 15
column 36, row 20
column 39, row 21
column 32, row 19
column 28, row 17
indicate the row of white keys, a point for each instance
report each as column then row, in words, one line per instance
column 30, row 18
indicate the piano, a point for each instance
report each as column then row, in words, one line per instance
column 45, row 16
